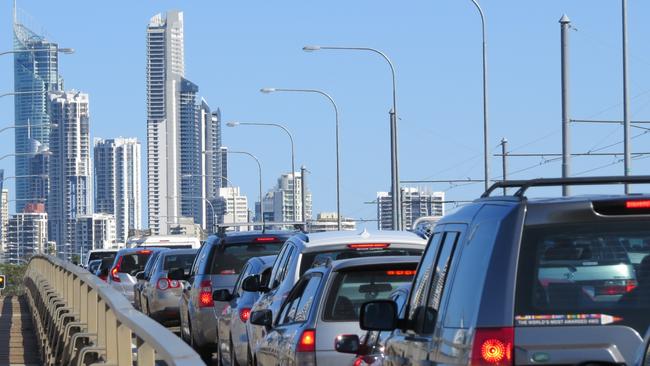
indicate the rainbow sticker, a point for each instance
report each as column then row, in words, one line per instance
column 565, row 319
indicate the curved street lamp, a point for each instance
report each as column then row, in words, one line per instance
column 336, row 115
column 395, row 189
column 293, row 161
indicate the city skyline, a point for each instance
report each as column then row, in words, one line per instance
column 523, row 122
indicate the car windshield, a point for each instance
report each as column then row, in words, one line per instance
column 230, row 259
column 316, row 258
column 583, row 274
column 101, row 255
column 133, row 263
column 350, row 289
column 178, row 261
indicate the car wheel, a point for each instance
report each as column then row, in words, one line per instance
column 233, row 359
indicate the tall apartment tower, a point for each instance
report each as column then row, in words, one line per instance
column 26, row 234
column 35, row 74
column 416, row 203
column 4, row 217
column 70, row 169
column 117, row 183
column 95, row 231
column 278, row 203
column 165, row 71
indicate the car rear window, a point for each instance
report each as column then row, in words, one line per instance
column 316, row 258
column 178, row 261
column 101, row 255
column 133, row 263
column 229, row 259
column 350, row 289
column 583, row 274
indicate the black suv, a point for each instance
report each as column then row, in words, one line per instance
column 512, row 280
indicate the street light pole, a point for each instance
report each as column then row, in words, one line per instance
column 234, row 196
column 395, row 189
column 626, row 97
column 293, row 161
column 486, row 160
column 259, row 171
column 336, row 115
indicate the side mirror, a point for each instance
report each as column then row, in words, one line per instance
column 262, row 317
column 222, row 295
column 378, row 315
column 347, row 343
column 139, row 276
column 177, row 274
column 251, row 283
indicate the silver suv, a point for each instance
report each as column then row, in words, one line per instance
column 516, row 280
column 127, row 263
column 217, row 266
column 323, row 306
column 304, row 251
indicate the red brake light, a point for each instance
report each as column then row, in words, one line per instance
column 357, row 361
column 630, row 285
column 637, row 204
column 369, row 246
column 244, row 314
column 228, row 272
column 307, row 341
column 146, row 251
column 205, row 294
column 401, row 273
column 493, row 346
column 115, row 270
column 265, row 239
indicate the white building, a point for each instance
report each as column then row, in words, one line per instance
column 69, row 167
column 4, row 218
column 279, row 202
column 416, row 203
column 231, row 207
column 328, row 221
column 26, row 234
column 118, row 184
column 97, row 231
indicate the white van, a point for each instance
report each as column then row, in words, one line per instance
column 167, row 241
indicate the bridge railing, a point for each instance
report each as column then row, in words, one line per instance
column 81, row 320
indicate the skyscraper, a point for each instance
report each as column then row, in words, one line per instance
column 278, row 202
column 4, row 217
column 70, row 169
column 416, row 203
column 95, row 231
column 231, row 207
column 117, row 183
column 35, row 74
column 165, row 69
column 26, row 234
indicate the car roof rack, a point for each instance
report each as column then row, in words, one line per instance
column 574, row 181
column 297, row 225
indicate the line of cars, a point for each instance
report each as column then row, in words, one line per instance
column 501, row 281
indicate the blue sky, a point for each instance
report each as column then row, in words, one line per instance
column 234, row 48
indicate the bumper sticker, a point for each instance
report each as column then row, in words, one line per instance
column 565, row 319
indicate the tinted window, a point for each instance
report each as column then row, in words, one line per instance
column 246, row 271
column 469, row 276
column 284, row 266
column 151, row 264
column 315, row 258
column 178, row 261
column 229, row 259
column 442, row 269
column 421, row 283
column 298, row 304
column 350, row 290
column 101, row 255
column 133, row 263
column 583, row 269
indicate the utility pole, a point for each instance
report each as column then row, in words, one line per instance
column 626, row 107
column 565, row 24
column 504, row 144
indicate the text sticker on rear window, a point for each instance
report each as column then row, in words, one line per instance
column 565, row 319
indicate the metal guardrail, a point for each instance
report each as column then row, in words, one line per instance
column 80, row 320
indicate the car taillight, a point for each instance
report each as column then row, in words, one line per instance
column 358, row 361
column 307, row 341
column 227, row 272
column 114, row 276
column 630, row 285
column 205, row 294
column 637, row 204
column 493, row 346
column 265, row 239
column 616, row 287
column 244, row 314
column 165, row 283
column 401, row 273
column 369, row 246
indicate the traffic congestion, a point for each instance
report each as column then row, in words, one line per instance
column 503, row 280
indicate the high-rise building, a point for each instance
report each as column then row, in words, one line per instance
column 26, row 234
column 328, row 221
column 70, row 169
column 416, row 203
column 224, row 163
column 117, row 183
column 36, row 72
column 4, row 217
column 279, row 202
column 95, row 231
column 165, row 70
column 231, row 207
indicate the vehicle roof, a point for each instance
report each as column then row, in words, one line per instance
column 172, row 251
column 361, row 237
column 345, row 264
column 138, row 249
column 103, row 250
column 563, row 200
column 231, row 237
